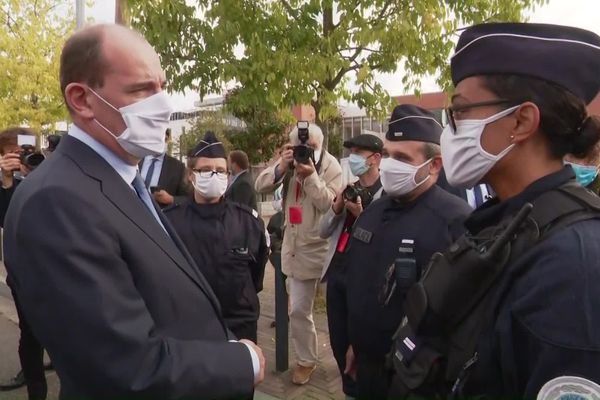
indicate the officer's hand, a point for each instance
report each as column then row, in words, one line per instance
column 354, row 208
column 304, row 170
column 163, row 197
column 338, row 203
column 350, row 363
column 261, row 358
column 9, row 163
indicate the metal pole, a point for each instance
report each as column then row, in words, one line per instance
column 80, row 13
column 281, row 317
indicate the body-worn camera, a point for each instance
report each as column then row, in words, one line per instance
column 303, row 153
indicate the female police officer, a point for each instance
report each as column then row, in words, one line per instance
column 519, row 106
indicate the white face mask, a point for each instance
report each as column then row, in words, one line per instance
column 147, row 121
column 210, row 187
column 465, row 161
column 398, row 178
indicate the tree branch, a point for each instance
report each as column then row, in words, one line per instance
column 289, row 8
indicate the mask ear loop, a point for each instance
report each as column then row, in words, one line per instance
column 417, row 170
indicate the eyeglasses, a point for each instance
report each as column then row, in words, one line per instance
column 207, row 173
column 450, row 111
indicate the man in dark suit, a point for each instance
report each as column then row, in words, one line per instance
column 105, row 282
column 241, row 187
column 166, row 178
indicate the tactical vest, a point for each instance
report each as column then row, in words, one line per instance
column 435, row 345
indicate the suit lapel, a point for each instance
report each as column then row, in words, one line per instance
column 126, row 200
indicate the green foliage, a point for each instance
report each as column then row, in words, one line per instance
column 31, row 39
column 206, row 121
column 289, row 52
column 335, row 146
column 265, row 130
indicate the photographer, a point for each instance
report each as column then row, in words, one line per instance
column 310, row 177
column 364, row 160
column 16, row 163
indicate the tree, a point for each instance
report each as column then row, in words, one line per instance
column 286, row 52
column 206, row 121
column 30, row 44
column 264, row 130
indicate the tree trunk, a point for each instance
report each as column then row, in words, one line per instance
column 316, row 105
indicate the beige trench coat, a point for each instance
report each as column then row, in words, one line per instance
column 304, row 252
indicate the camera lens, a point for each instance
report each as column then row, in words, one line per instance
column 34, row 159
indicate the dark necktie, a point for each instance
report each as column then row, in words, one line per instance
column 478, row 195
column 150, row 172
column 144, row 195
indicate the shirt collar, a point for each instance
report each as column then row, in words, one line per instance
column 159, row 158
column 125, row 171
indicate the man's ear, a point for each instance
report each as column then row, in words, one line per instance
column 77, row 99
column 435, row 166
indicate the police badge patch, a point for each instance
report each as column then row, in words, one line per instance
column 569, row 388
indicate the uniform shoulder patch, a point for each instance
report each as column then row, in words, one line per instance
column 569, row 388
column 248, row 209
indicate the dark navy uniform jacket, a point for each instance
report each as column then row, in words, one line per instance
column 433, row 221
column 546, row 308
column 227, row 241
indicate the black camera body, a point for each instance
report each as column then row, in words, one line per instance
column 30, row 157
column 303, row 153
column 352, row 192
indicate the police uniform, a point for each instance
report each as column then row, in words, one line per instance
column 338, row 228
column 546, row 321
column 426, row 225
column 537, row 326
column 227, row 241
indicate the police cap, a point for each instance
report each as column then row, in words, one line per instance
column 411, row 122
column 209, row 147
column 365, row 141
column 566, row 56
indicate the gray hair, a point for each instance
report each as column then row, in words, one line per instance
column 314, row 132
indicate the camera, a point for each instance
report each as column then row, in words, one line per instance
column 30, row 157
column 303, row 153
column 352, row 192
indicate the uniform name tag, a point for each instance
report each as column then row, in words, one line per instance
column 362, row 235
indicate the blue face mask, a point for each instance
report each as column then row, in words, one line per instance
column 585, row 174
column 358, row 164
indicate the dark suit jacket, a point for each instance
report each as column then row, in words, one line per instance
column 120, row 306
column 173, row 179
column 242, row 190
column 5, row 197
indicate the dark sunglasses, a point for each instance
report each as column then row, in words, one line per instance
column 454, row 109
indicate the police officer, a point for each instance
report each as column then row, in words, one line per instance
column 519, row 106
column 226, row 239
column 413, row 220
column 364, row 160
